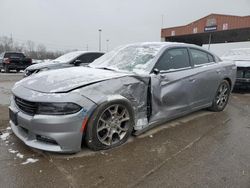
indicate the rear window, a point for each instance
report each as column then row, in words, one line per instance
column 201, row 57
column 14, row 55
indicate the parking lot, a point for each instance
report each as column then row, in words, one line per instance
column 204, row 149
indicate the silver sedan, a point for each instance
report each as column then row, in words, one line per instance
column 127, row 91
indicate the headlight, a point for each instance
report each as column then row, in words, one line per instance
column 57, row 108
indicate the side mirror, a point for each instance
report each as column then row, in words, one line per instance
column 77, row 62
column 156, row 71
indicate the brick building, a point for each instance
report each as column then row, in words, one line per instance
column 214, row 28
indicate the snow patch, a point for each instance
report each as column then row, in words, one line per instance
column 12, row 151
column 30, row 160
column 20, row 155
column 4, row 136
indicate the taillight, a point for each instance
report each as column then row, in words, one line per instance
column 6, row 60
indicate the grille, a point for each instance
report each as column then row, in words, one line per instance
column 243, row 72
column 26, row 106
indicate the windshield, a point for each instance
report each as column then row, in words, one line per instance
column 237, row 52
column 68, row 57
column 132, row 58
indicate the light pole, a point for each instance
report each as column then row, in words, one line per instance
column 100, row 39
column 107, row 43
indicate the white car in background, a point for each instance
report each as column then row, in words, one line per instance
column 241, row 57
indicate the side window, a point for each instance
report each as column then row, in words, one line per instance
column 199, row 57
column 88, row 58
column 210, row 58
column 95, row 56
column 175, row 58
column 84, row 58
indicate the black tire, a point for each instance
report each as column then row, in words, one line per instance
column 91, row 134
column 219, row 104
column 6, row 69
column 17, row 70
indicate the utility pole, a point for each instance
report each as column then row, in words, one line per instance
column 100, row 40
column 209, row 41
column 162, row 21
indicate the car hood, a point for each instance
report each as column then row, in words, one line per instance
column 39, row 66
column 65, row 80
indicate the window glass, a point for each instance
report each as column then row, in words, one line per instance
column 200, row 57
column 95, row 56
column 176, row 58
column 14, row 55
column 210, row 58
column 240, row 73
column 88, row 58
column 247, row 74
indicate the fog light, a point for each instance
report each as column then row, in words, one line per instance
column 45, row 139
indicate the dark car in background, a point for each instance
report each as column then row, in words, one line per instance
column 241, row 57
column 14, row 61
column 70, row 59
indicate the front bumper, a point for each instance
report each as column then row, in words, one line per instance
column 56, row 133
column 62, row 133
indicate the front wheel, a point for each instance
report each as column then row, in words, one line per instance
column 221, row 98
column 110, row 126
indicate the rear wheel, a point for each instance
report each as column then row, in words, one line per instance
column 221, row 98
column 110, row 126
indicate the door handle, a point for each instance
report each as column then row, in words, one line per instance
column 162, row 76
column 192, row 80
column 218, row 71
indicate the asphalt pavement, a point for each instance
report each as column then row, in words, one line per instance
column 203, row 149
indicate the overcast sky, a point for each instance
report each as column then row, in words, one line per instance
column 74, row 24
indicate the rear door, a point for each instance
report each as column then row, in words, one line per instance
column 170, row 88
column 206, row 78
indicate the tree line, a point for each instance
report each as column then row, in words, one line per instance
column 29, row 48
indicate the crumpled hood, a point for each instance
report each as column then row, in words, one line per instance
column 39, row 66
column 64, row 80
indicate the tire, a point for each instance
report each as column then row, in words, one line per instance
column 103, row 131
column 222, row 96
column 6, row 69
column 17, row 70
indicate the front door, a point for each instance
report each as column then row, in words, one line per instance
column 170, row 88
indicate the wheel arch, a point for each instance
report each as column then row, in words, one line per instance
column 112, row 99
column 229, row 81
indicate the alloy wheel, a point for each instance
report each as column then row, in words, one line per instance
column 113, row 124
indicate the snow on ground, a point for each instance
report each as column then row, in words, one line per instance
column 5, row 134
column 30, row 160
column 12, row 151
